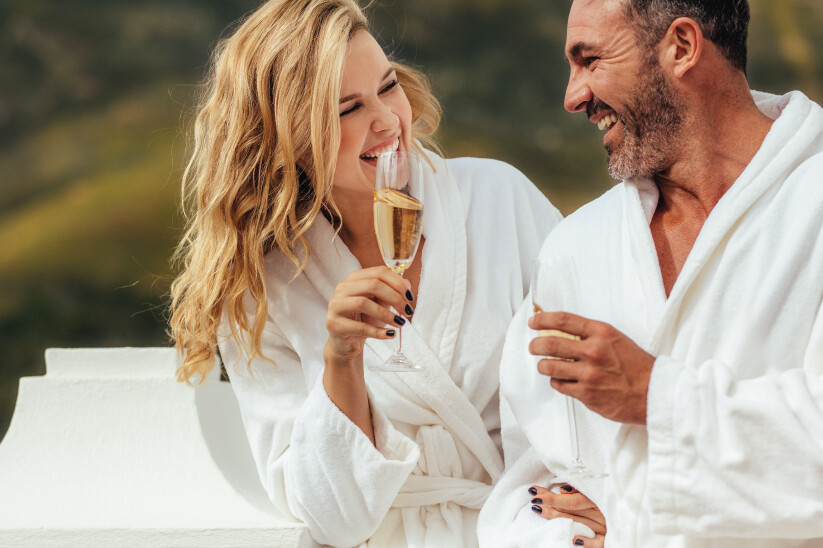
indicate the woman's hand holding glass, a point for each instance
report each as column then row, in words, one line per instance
column 361, row 308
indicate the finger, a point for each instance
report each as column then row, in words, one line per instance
column 556, row 345
column 562, row 370
column 376, row 289
column 343, row 327
column 548, row 512
column 571, row 502
column 596, row 542
column 538, row 491
column 384, row 273
column 364, row 309
column 563, row 321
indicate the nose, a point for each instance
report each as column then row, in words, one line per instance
column 384, row 118
column 578, row 93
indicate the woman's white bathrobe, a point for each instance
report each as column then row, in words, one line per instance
column 437, row 431
column 732, row 454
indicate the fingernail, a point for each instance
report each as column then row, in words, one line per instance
column 567, row 488
column 390, row 332
column 536, row 509
column 537, row 501
column 399, row 321
column 579, row 542
column 409, row 295
column 532, row 491
column 409, row 310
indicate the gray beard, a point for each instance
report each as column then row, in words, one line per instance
column 651, row 128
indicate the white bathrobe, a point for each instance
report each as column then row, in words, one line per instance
column 437, row 432
column 732, row 454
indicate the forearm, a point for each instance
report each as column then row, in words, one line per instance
column 346, row 387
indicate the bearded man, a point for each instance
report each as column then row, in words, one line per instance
column 694, row 291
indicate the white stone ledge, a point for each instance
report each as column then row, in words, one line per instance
column 108, row 449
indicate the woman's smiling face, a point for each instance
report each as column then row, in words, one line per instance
column 375, row 115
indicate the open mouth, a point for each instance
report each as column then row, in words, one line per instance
column 372, row 154
column 607, row 122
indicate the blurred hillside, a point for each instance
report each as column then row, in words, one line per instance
column 95, row 99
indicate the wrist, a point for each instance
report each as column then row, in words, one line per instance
column 337, row 360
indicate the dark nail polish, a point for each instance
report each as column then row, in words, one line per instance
column 567, row 488
column 579, row 542
column 532, row 491
column 409, row 295
column 399, row 321
column 390, row 332
column 537, row 501
column 409, row 310
column 537, row 509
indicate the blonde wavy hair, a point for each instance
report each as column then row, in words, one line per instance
column 269, row 103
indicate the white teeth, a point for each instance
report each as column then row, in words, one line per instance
column 607, row 121
column 385, row 150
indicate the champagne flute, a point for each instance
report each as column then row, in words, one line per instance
column 541, row 273
column 398, row 223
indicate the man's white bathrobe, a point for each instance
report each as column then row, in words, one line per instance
column 437, row 432
column 732, row 454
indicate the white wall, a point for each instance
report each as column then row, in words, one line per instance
column 108, row 449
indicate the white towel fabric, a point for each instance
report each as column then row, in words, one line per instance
column 437, row 431
column 732, row 454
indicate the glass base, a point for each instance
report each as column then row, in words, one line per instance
column 397, row 362
column 581, row 472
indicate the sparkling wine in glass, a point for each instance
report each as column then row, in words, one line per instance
column 398, row 223
column 541, row 274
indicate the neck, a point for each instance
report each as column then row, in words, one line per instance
column 719, row 139
column 357, row 229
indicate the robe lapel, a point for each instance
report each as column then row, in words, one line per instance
column 437, row 319
column 771, row 165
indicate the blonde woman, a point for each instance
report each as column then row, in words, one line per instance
column 282, row 272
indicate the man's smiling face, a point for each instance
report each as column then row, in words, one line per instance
column 622, row 89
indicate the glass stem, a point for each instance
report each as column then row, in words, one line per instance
column 573, row 430
column 399, row 348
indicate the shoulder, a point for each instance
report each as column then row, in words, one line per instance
column 592, row 221
column 484, row 182
column 484, row 174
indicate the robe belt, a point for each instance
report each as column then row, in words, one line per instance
column 437, row 478
column 425, row 490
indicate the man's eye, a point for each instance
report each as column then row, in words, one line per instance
column 390, row 86
column 587, row 61
column 350, row 109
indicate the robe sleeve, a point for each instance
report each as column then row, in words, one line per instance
column 507, row 520
column 737, row 458
column 316, row 465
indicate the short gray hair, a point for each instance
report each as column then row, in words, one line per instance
column 724, row 22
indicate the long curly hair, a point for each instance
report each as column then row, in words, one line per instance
column 270, row 100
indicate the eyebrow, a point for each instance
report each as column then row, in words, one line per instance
column 577, row 49
column 356, row 95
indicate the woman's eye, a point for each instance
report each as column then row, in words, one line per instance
column 390, row 86
column 350, row 109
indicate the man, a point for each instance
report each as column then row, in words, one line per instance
column 696, row 290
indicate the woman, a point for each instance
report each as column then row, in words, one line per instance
column 282, row 272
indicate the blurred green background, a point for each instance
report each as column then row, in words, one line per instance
column 95, row 98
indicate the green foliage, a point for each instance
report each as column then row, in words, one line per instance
column 93, row 113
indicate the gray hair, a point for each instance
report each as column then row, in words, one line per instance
column 724, row 22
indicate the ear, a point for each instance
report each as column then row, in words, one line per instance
column 681, row 46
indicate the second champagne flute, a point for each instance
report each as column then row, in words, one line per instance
column 541, row 273
column 398, row 223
